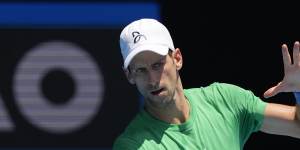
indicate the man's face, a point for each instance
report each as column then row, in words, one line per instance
column 155, row 76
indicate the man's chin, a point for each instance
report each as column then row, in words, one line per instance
column 160, row 99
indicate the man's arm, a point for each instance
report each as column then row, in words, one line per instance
column 282, row 120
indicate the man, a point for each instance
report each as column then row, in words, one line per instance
column 219, row 116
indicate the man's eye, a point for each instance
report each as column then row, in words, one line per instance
column 140, row 70
column 157, row 65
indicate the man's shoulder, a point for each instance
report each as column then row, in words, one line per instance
column 212, row 87
column 222, row 85
column 135, row 126
column 214, row 92
column 124, row 142
column 132, row 135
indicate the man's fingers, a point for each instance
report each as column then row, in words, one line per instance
column 296, row 53
column 271, row 92
column 275, row 90
column 286, row 57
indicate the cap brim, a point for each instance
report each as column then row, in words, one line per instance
column 159, row 49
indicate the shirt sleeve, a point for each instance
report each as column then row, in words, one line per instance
column 248, row 108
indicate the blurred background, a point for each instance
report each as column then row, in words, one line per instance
column 62, row 85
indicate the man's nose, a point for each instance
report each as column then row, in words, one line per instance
column 152, row 77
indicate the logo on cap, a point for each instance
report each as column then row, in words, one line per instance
column 137, row 36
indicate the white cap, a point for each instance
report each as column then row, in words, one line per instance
column 144, row 35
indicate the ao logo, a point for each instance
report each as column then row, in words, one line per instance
column 35, row 107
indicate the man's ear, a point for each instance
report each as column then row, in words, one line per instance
column 178, row 58
column 128, row 76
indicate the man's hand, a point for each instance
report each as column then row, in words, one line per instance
column 291, row 80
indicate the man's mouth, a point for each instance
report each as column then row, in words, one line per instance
column 156, row 92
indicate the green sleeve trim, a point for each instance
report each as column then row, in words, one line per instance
column 260, row 113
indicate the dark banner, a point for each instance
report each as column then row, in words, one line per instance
column 61, row 81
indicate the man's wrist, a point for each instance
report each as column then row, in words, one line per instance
column 297, row 97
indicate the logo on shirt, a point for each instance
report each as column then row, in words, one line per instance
column 137, row 36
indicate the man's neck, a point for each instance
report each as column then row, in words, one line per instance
column 175, row 113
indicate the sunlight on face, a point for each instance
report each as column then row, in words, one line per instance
column 155, row 76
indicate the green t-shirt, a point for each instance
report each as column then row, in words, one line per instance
column 222, row 117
